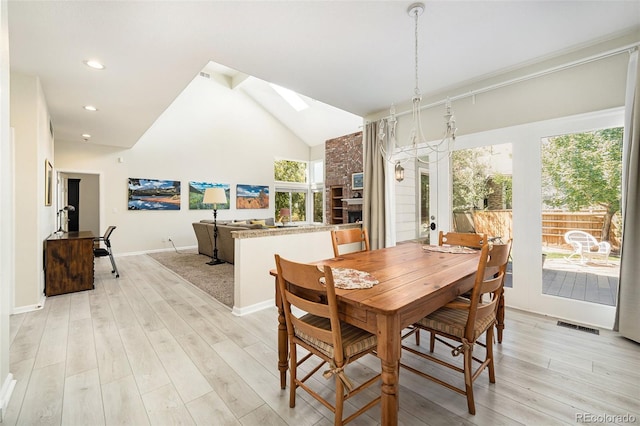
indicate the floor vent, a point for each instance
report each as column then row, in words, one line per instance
column 579, row 327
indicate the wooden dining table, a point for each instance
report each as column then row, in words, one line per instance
column 413, row 282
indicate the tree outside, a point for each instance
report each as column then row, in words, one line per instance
column 583, row 171
column 292, row 199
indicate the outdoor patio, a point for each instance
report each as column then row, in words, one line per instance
column 594, row 281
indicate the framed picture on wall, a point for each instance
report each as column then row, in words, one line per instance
column 196, row 194
column 357, row 180
column 48, row 183
column 252, row 197
column 154, row 194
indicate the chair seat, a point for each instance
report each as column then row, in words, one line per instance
column 354, row 340
column 100, row 252
column 453, row 322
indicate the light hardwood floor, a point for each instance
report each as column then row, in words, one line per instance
column 150, row 348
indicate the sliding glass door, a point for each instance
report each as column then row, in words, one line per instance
column 476, row 191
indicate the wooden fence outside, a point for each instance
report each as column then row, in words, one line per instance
column 554, row 225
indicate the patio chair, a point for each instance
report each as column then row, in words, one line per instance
column 586, row 246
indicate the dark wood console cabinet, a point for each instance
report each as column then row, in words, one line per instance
column 68, row 263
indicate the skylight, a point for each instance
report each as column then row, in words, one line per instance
column 291, row 97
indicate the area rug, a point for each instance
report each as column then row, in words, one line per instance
column 217, row 280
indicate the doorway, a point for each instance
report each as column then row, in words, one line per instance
column 528, row 288
column 82, row 191
column 73, row 199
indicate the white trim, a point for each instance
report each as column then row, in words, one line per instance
column 5, row 394
column 30, row 308
column 253, row 308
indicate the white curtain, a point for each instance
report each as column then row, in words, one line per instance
column 628, row 307
column 373, row 210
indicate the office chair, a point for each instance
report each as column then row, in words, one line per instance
column 106, row 251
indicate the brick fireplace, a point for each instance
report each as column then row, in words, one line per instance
column 343, row 157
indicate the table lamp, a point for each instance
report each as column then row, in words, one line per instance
column 215, row 196
column 284, row 213
column 68, row 208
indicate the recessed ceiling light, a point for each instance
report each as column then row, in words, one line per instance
column 90, row 108
column 94, row 64
column 86, row 136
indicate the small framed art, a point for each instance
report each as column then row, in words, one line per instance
column 357, row 180
column 48, row 183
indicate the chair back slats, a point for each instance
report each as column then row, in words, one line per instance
column 462, row 239
column 300, row 287
column 492, row 257
column 340, row 237
column 315, row 326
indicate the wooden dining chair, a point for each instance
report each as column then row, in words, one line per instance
column 473, row 241
column 465, row 239
column 318, row 329
column 341, row 237
column 460, row 323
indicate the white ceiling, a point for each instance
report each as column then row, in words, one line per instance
column 354, row 55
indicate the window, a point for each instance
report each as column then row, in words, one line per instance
column 299, row 188
column 318, row 205
column 290, row 171
column 295, row 201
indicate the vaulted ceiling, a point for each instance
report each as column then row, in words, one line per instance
column 357, row 56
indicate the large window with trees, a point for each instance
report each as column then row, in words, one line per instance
column 581, row 192
column 299, row 188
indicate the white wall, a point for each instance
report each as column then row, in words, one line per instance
column 210, row 133
column 254, row 288
column 35, row 221
column 7, row 254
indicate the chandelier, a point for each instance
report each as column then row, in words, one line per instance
column 417, row 149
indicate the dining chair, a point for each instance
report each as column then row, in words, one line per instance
column 311, row 314
column 473, row 241
column 341, row 237
column 460, row 323
column 99, row 251
column 464, row 239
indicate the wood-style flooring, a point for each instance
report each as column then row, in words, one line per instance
column 150, row 348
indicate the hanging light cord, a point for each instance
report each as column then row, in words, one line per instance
column 417, row 148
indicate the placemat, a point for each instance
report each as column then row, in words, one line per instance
column 350, row 279
column 450, row 249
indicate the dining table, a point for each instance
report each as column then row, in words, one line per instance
column 413, row 280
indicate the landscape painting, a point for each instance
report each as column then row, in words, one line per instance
column 196, row 193
column 154, row 194
column 252, row 197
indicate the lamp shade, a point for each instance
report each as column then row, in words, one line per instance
column 214, row 196
column 285, row 212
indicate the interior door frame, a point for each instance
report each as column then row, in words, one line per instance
column 526, row 139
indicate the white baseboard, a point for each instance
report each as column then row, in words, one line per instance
column 5, row 394
column 253, row 308
column 30, row 308
column 135, row 253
